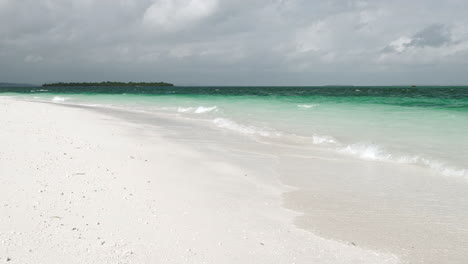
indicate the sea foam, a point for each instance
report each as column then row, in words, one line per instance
column 59, row 99
column 197, row 110
column 367, row 151
column 307, row 105
column 319, row 140
column 374, row 152
column 244, row 129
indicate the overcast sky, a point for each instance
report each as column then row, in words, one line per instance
column 235, row 42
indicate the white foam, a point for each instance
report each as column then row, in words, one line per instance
column 307, row 105
column 243, row 129
column 435, row 165
column 197, row 110
column 375, row 152
column 184, row 109
column 59, row 99
column 202, row 109
column 366, row 151
column 318, row 140
column 451, row 172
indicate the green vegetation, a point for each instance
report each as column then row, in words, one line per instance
column 113, row 84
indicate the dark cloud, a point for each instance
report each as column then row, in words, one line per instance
column 229, row 41
column 432, row 36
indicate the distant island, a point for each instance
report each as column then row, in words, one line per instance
column 125, row 84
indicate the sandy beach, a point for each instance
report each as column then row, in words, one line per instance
column 233, row 132
column 79, row 186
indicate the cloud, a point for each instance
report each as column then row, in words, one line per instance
column 398, row 45
column 231, row 41
column 169, row 15
column 432, row 36
column 435, row 35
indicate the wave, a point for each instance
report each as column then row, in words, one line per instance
column 319, row 140
column 374, row 152
column 60, row 99
column 243, row 129
column 197, row 110
column 366, row 151
column 438, row 166
column 307, row 105
column 363, row 151
column 40, row 90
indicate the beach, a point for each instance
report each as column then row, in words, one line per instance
column 83, row 187
column 123, row 179
column 233, row 132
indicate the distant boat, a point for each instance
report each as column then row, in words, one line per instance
column 413, row 85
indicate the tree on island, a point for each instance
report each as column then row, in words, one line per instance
column 108, row 83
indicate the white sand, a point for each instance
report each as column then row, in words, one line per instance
column 82, row 187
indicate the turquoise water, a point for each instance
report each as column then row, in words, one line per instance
column 424, row 126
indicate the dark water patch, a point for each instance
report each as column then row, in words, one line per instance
column 354, row 91
column 446, row 97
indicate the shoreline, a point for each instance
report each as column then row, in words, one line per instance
column 342, row 198
column 92, row 188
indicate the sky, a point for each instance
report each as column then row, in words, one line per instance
column 235, row 42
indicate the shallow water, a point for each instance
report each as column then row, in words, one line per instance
column 425, row 126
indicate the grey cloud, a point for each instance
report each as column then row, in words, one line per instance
column 433, row 36
column 227, row 41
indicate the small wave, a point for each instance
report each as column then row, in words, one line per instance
column 40, row 90
column 452, row 172
column 202, row 109
column 184, row 109
column 375, row 152
column 243, row 129
column 59, row 99
column 367, row 151
column 318, row 140
column 307, row 105
column 438, row 166
column 197, row 110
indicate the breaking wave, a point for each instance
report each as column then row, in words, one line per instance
column 366, row 151
column 318, row 140
column 197, row 110
column 363, row 151
column 243, row 129
column 307, row 105
column 374, row 152
column 60, row 99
